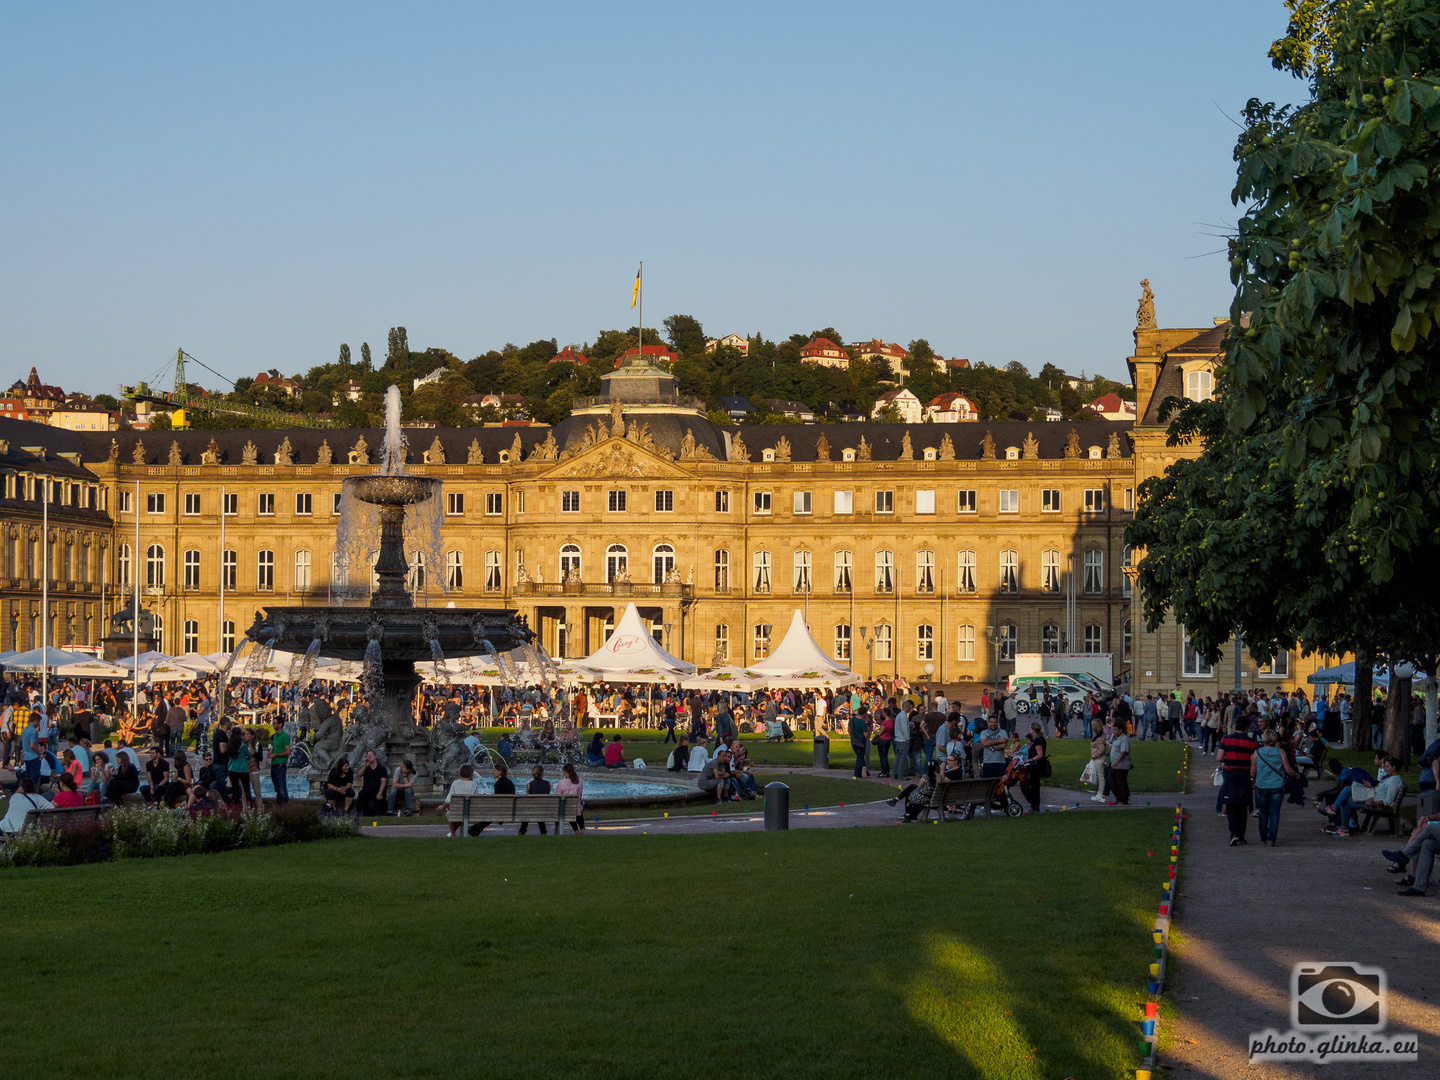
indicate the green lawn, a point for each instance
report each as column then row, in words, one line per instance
column 1156, row 765
column 903, row 951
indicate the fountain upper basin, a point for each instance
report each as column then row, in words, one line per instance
column 404, row 634
column 392, row 490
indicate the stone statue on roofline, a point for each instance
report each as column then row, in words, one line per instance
column 1145, row 314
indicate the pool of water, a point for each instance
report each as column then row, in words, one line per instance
column 299, row 787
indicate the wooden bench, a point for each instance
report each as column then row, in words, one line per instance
column 976, row 791
column 1370, row 816
column 1319, row 753
column 64, row 816
column 509, row 809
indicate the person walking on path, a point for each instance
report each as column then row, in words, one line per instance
column 1237, row 753
column 1268, row 770
column 858, row 736
column 900, row 734
column 1098, row 751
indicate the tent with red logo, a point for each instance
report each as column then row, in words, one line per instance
column 632, row 655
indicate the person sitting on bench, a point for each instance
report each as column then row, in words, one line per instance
column 503, row 786
column 1425, row 843
column 21, row 803
column 915, row 796
column 538, row 785
column 1343, row 812
column 466, row 785
column 67, row 792
column 125, row 781
column 595, row 752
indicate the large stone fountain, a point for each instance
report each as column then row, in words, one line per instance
column 391, row 634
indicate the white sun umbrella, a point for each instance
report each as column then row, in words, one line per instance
column 282, row 667
column 92, row 669
column 725, row 678
column 195, row 662
column 47, row 657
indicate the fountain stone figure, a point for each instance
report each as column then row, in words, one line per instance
column 391, row 634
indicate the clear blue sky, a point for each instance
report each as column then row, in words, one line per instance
column 259, row 183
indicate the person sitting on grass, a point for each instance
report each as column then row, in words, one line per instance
column 1343, row 812
column 503, row 786
column 466, row 785
column 22, row 802
column 340, row 787
column 595, row 751
column 915, row 796
column 538, row 785
column 615, row 753
column 402, row 788
column 680, row 759
column 715, row 777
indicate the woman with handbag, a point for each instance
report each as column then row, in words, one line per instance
column 1269, row 769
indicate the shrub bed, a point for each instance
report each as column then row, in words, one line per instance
column 135, row 833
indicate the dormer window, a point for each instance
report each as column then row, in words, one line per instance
column 847, row 454
column 929, row 453
column 1012, row 453
column 1199, row 385
column 767, row 455
column 1095, row 453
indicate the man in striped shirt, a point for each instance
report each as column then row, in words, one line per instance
column 1236, row 751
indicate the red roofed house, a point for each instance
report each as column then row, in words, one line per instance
column 649, row 354
column 951, row 408
column 957, row 363
column 892, row 353
column 1112, row 407
column 290, row 386
column 33, row 398
column 824, row 351
column 567, row 355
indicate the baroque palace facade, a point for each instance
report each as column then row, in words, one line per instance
column 952, row 545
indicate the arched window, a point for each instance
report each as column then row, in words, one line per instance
column 1127, row 560
column 965, row 582
column 966, row 646
column 302, row 571
column 122, row 565
column 1199, row 385
column 339, row 572
column 227, row 636
column 569, row 560
column 762, row 574
column 722, row 571
column 842, row 641
column 1125, row 641
column 663, row 562
column 155, row 566
column 884, row 571
column 417, row 571
column 924, row 642
column 454, row 569
column 617, row 562
column 1009, row 570
column 1093, row 641
column 1050, row 570
column 802, row 571
column 192, row 636
column 1094, row 571
column 192, row 569
column 228, row 564
column 1007, row 641
column 844, row 571
column 159, row 633
column 265, row 571
column 1049, row 639
column 925, row 571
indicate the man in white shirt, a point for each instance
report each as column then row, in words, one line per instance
column 466, row 785
column 21, row 803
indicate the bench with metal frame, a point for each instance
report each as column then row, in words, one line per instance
column 509, row 809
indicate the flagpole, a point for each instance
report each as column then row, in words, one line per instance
column 640, row 299
column 45, row 598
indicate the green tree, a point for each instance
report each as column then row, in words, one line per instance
column 686, row 335
column 365, row 363
column 398, row 356
column 1320, row 469
column 344, row 360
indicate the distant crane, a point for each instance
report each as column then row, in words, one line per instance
column 180, row 398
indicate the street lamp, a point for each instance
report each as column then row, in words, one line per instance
column 567, row 628
column 14, row 630
column 994, row 639
column 667, row 636
column 870, row 649
column 929, row 671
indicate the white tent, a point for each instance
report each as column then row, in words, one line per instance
column 632, row 655
column 725, row 678
column 144, row 660
column 196, row 662
column 798, row 661
column 155, row 667
column 48, row 657
column 91, row 669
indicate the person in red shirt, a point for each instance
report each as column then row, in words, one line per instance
column 1237, row 751
column 614, row 753
column 69, row 794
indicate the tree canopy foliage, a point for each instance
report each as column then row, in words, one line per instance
column 1312, row 514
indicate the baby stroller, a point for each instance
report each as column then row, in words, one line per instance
column 1003, row 801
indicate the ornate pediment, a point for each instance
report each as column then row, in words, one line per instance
column 617, row 457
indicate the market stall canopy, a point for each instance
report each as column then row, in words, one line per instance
column 1344, row 675
column 48, row 657
column 195, row 662
column 92, row 669
column 632, row 655
column 725, row 678
column 799, row 661
column 143, row 660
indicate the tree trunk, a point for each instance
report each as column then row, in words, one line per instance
column 1397, row 720
column 1364, row 691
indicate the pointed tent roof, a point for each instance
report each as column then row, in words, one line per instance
column 798, row 654
column 47, row 657
column 631, row 654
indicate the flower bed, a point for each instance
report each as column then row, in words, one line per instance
column 136, row 833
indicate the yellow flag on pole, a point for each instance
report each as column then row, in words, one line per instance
column 635, row 293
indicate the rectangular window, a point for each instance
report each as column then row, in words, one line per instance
column 1009, row 500
column 762, row 640
column 925, row 502
column 1007, row 642
column 884, row 502
column 802, row 502
column 1278, row 668
column 1194, row 665
column 1009, row 571
column 1050, row 570
column 265, row 571
column 335, row 502
column 493, row 581
column 616, row 502
column 569, row 502
column 884, row 643
column 494, row 503
column 1050, row 500
column 155, row 502
column 722, row 644
column 664, row 501
column 1094, row 571
column 227, row 636
column 266, row 504
column 1127, row 556
column 925, row 642
column 965, row 583
column 842, row 641
column 520, row 502
column 454, row 569
column 802, row 572
column 302, row 571
column 302, row 503
column 966, row 501
column 1094, row 500
column 1125, row 641
column 722, row 502
column 762, row 502
column 1130, row 498
column 227, row 569
column 762, row 571
column 192, row 504
column 230, row 504
column 965, row 649
column 192, row 569
column 844, row 502
column 454, row 503
column 192, row 636
column 722, row 571
column 844, row 568
column 924, row 571
column 1092, row 638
